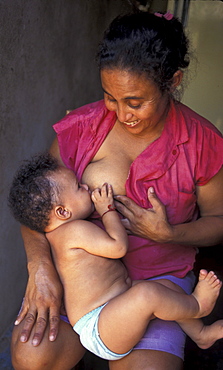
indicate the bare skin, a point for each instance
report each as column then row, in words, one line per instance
column 88, row 261
column 120, row 324
column 60, row 352
column 111, row 163
column 167, row 303
column 79, row 246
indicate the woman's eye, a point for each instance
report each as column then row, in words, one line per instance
column 135, row 106
column 111, row 100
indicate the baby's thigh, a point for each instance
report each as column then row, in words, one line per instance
column 169, row 284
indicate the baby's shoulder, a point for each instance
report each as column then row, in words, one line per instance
column 71, row 233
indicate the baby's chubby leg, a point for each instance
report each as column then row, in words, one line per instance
column 126, row 316
column 199, row 304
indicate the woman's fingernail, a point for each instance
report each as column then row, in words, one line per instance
column 52, row 337
column 35, row 342
column 23, row 338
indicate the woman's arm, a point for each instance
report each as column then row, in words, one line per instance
column 153, row 223
column 43, row 296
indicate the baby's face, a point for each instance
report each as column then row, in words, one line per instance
column 75, row 196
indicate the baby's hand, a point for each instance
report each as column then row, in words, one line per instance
column 103, row 198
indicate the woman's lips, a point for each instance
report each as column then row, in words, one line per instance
column 131, row 124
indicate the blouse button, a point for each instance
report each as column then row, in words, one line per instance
column 174, row 152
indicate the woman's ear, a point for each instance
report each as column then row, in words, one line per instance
column 176, row 80
column 62, row 213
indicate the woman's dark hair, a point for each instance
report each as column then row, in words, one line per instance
column 145, row 44
column 32, row 193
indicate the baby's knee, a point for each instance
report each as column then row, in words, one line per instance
column 144, row 293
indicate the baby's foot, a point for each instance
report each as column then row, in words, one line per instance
column 206, row 292
column 209, row 334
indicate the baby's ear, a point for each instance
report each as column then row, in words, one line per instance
column 62, row 213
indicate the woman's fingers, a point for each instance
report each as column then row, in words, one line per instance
column 150, row 223
column 54, row 320
column 39, row 329
column 126, row 206
column 22, row 313
column 155, row 202
column 39, row 324
column 28, row 323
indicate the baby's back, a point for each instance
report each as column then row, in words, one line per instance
column 89, row 280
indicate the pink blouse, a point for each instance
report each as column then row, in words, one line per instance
column 186, row 155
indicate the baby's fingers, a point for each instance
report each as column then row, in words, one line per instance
column 110, row 190
column 106, row 190
column 95, row 194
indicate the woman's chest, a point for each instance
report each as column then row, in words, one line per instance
column 112, row 162
column 108, row 169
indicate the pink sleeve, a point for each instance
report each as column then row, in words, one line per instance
column 209, row 155
column 81, row 133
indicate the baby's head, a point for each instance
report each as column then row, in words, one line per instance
column 44, row 194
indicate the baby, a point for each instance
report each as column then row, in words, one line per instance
column 108, row 310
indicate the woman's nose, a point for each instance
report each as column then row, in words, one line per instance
column 123, row 114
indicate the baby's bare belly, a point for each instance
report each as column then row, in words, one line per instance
column 95, row 287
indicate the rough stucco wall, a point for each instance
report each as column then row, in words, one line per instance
column 47, row 65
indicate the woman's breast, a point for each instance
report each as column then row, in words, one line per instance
column 113, row 170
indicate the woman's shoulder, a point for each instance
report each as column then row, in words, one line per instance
column 203, row 146
column 89, row 109
column 82, row 115
column 195, row 121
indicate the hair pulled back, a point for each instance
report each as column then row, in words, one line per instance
column 143, row 43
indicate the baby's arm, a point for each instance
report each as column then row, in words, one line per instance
column 82, row 234
column 104, row 204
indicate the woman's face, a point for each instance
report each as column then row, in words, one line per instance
column 138, row 102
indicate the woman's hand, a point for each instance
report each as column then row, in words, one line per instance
column 42, row 302
column 148, row 223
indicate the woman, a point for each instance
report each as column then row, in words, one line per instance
column 165, row 165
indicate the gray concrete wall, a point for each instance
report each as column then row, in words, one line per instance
column 47, row 65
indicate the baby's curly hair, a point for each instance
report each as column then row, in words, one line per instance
column 33, row 193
